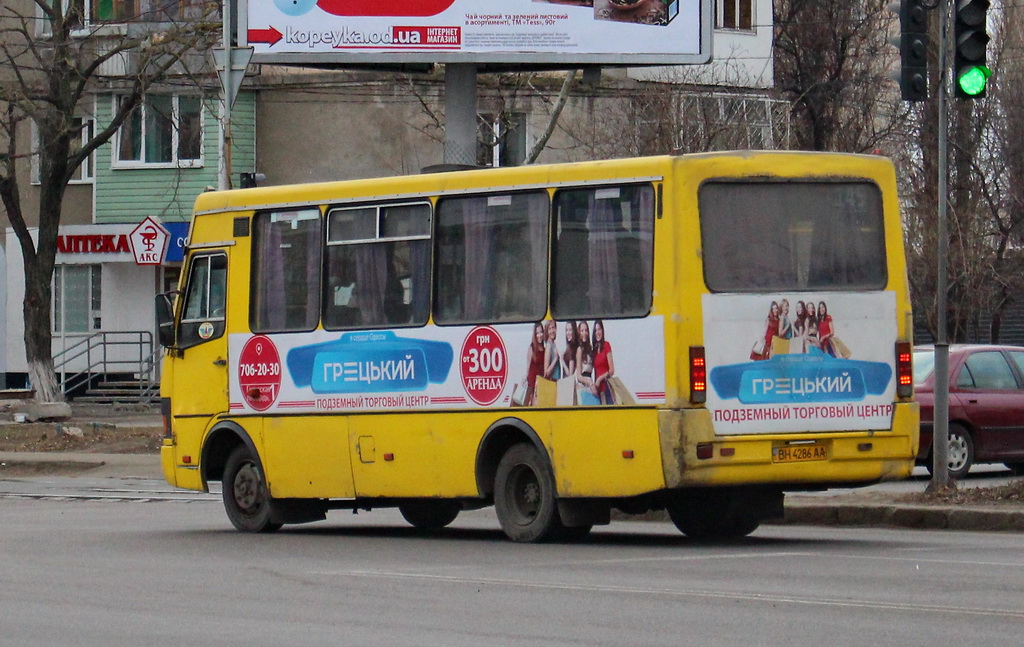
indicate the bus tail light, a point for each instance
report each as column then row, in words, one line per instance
column 698, row 375
column 165, row 415
column 904, row 369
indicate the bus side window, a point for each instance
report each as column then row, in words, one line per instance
column 286, row 270
column 491, row 258
column 603, row 252
column 202, row 316
column 378, row 266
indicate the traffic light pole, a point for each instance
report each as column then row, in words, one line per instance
column 940, row 417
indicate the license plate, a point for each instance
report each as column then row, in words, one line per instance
column 799, row 453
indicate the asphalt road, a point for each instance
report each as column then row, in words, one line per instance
column 111, row 562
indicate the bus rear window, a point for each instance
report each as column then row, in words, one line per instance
column 767, row 236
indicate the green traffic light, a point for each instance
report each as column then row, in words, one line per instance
column 972, row 80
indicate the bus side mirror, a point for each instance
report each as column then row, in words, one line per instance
column 165, row 319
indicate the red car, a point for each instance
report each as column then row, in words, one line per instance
column 986, row 405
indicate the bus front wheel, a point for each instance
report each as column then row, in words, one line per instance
column 245, row 494
column 524, row 496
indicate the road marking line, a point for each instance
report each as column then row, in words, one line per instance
column 694, row 593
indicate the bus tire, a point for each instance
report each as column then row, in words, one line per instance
column 711, row 514
column 524, row 496
column 430, row 514
column 245, row 494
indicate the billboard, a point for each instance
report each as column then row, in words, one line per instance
column 511, row 32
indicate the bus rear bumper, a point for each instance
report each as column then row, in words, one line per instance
column 694, row 456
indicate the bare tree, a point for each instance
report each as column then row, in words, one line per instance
column 832, row 63
column 985, row 202
column 52, row 58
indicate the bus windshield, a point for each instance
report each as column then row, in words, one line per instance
column 764, row 236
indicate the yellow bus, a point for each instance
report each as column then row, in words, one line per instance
column 697, row 334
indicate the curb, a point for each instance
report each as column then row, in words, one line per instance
column 903, row 516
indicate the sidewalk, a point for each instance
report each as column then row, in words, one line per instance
column 120, row 466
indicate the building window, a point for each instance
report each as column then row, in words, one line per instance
column 76, row 298
column 163, row 129
column 84, row 173
column 734, row 14
column 117, row 11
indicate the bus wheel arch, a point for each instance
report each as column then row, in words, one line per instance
column 218, row 446
column 498, row 439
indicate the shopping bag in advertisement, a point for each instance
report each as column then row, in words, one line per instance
column 519, row 393
column 780, row 346
column 621, row 393
column 547, row 392
column 566, row 388
column 842, row 350
column 757, row 352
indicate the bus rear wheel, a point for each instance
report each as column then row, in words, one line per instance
column 430, row 515
column 245, row 494
column 714, row 514
column 524, row 496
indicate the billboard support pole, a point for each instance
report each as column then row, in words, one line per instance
column 460, row 99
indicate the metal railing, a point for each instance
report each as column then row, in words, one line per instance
column 98, row 356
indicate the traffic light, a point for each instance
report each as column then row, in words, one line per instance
column 970, row 39
column 913, row 44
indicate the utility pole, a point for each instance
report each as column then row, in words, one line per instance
column 940, row 416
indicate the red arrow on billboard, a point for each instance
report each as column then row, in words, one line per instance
column 402, row 8
column 268, row 36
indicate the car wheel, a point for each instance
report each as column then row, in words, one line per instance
column 245, row 494
column 961, row 452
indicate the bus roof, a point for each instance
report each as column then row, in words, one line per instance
column 736, row 163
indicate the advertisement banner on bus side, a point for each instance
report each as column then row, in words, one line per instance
column 546, row 364
column 800, row 362
column 510, row 31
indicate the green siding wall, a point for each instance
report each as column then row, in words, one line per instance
column 129, row 195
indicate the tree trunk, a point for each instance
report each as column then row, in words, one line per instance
column 38, row 335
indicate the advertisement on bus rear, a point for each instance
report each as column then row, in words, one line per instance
column 509, row 31
column 543, row 364
column 800, row 362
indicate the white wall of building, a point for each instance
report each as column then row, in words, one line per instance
column 126, row 303
column 740, row 58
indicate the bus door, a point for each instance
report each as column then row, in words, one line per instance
column 200, row 385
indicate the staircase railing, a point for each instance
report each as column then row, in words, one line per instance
column 101, row 354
